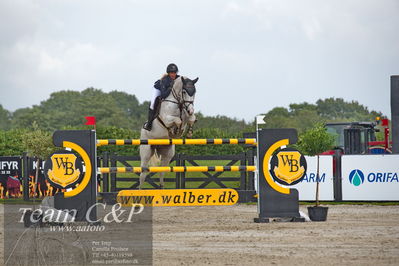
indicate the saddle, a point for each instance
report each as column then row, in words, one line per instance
column 157, row 108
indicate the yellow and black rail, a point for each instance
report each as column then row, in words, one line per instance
column 159, row 169
column 120, row 142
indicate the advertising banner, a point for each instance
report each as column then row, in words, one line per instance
column 307, row 187
column 370, row 177
column 10, row 166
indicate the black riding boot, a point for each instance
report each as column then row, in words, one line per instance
column 151, row 117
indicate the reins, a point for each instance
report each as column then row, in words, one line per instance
column 182, row 105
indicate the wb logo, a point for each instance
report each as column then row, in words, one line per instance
column 288, row 166
column 63, row 169
column 293, row 164
column 62, row 163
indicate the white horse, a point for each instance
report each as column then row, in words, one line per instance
column 176, row 116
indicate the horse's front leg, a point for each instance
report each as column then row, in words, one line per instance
column 173, row 122
column 161, row 180
column 191, row 121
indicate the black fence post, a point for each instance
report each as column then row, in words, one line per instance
column 178, row 174
column 337, row 171
column 251, row 175
column 99, row 175
column 243, row 174
column 105, row 163
column 25, row 179
column 183, row 174
column 113, row 175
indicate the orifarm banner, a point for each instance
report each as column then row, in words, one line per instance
column 370, row 177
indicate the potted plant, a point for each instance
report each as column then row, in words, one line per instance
column 313, row 142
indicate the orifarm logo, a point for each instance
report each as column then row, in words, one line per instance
column 356, row 177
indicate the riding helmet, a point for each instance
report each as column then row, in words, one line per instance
column 172, row 68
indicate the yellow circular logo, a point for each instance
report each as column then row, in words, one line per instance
column 63, row 169
column 288, row 166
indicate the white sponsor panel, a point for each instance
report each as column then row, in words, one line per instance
column 307, row 187
column 370, row 177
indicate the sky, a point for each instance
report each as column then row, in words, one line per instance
column 250, row 56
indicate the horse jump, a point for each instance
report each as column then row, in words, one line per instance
column 165, row 169
column 274, row 200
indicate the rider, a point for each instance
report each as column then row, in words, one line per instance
column 162, row 87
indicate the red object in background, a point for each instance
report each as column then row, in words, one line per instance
column 386, row 143
column 384, row 122
column 330, row 152
column 91, row 120
column 13, row 187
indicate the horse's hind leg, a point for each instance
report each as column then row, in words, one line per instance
column 161, row 180
column 146, row 152
column 166, row 156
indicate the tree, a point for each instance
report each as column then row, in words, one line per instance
column 5, row 118
column 303, row 116
column 11, row 142
column 313, row 142
column 123, row 110
column 231, row 125
column 297, row 108
column 300, row 116
column 39, row 144
column 337, row 109
column 279, row 117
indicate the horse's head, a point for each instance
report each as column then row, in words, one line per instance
column 188, row 94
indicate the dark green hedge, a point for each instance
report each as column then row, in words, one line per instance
column 11, row 141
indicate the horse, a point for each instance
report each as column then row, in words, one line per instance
column 176, row 117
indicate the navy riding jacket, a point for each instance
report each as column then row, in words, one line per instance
column 164, row 85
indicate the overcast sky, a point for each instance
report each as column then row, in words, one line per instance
column 250, row 56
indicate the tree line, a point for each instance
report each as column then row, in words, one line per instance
column 121, row 115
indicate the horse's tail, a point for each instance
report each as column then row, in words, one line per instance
column 155, row 160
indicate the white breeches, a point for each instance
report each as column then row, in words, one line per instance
column 155, row 94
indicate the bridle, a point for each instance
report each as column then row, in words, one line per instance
column 180, row 101
column 182, row 104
